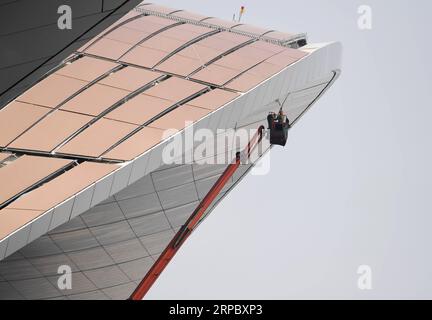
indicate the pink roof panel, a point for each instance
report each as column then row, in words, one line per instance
column 149, row 24
column 135, row 145
column 244, row 83
column 25, row 172
column 94, row 100
column 130, row 78
column 144, row 57
column 87, row 68
column 180, row 117
column 64, row 186
column 180, row 65
column 200, row 53
column 266, row 46
column 127, row 35
column 108, row 48
column 139, row 109
column 287, row 57
column 51, row 91
column 223, row 41
column 11, row 220
column 16, row 118
column 97, row 138
column 216, row 74
column 213, row 99
column 175, row 89
column 51, row 131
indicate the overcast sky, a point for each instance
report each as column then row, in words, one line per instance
column 354, row 181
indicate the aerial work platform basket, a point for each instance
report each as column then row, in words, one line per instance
column 278, row 125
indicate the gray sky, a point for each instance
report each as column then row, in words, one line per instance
column 355, row 179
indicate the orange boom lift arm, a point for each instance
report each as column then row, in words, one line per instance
column 185, row 231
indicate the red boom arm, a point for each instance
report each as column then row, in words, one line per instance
column 184, row 232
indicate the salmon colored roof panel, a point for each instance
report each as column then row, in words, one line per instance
column 186, row 31
column 135, row 145
column 254, row 76
column 127, row 35
column 97, row 138
column 244, row 83
column 174, row 38
column 287, row 57
column 149, row 24
column 265, row 70
column 151, row 55
column 108, row 48
column 223, row 41
column 86, row 68
column 238, row 61
column 267, row 46
column 139, row 109
column 51, row 91
column 180, row 117
column 162, row 43
column 144, row 57
column 17, row 117
column 95, row 100
column 175, row 89
column 25, row 172
column 64, row 186
column 244, row 58
column 180, row 65
column 127, row 16
column 213, row 99
column 200, row 52
column 216, row 74
column 189, row 15
column 259, row 50
column 130, row 78
column 120, row 22
column 11, row 220
column 51, row 131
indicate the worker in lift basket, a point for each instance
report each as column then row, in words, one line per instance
column 278, row 125
column 281, row 117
